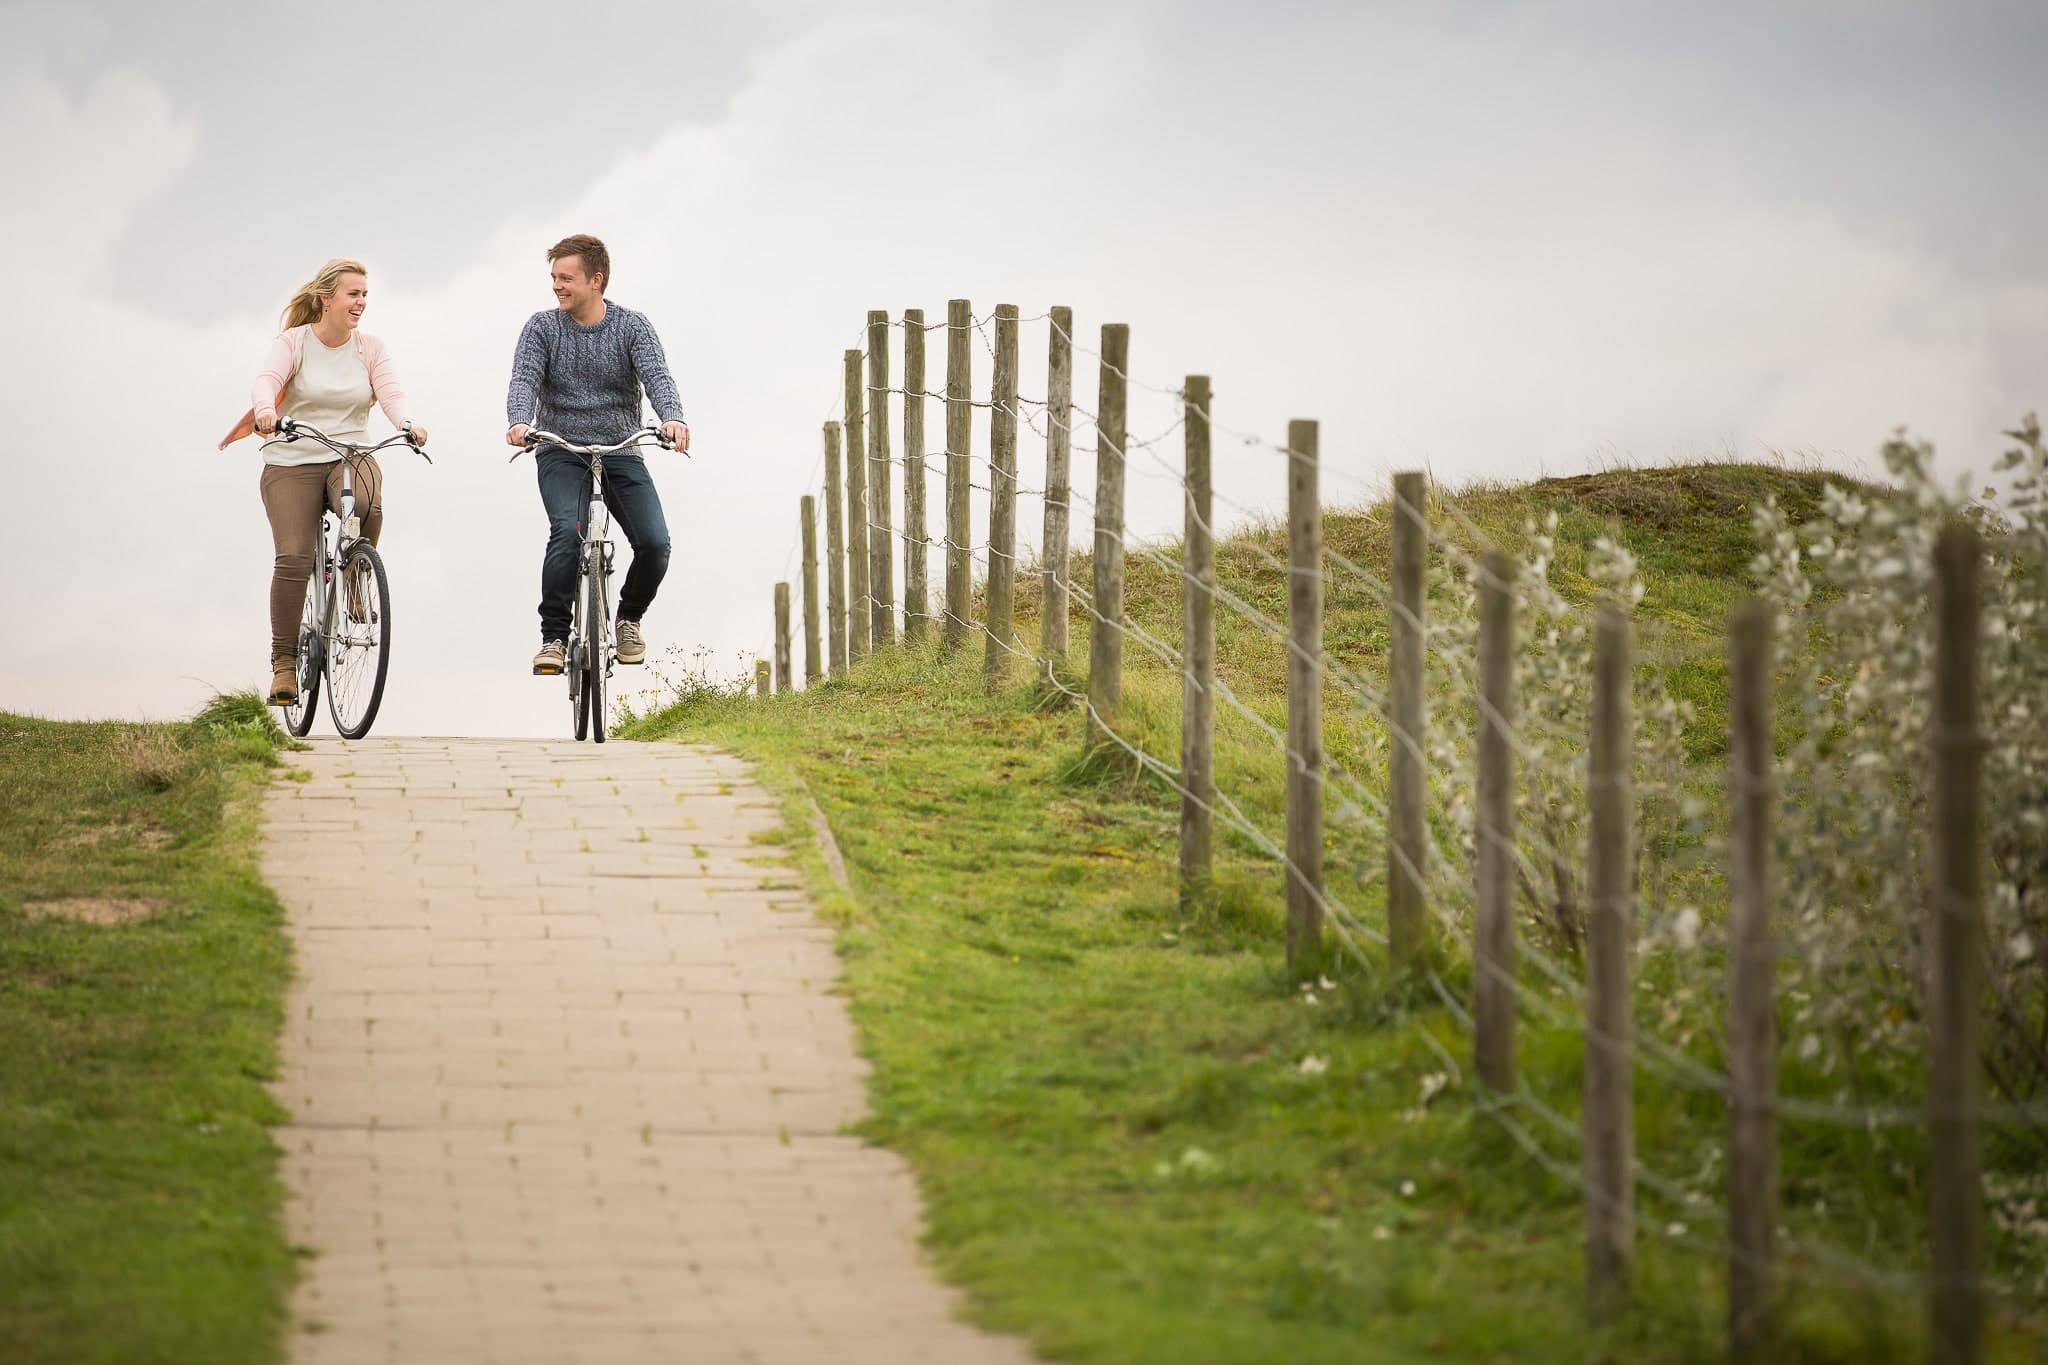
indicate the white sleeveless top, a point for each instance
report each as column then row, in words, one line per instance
column 330, row 390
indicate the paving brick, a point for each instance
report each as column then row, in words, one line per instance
column 567, row 1076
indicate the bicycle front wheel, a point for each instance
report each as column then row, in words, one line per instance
column 594, row 648
column 359, row 647
column 298, row 717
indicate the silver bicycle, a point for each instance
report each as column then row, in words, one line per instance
column 591, row 652
column 345, row 630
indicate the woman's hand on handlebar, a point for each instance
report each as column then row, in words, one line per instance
column 266, row 423
column 417, row 434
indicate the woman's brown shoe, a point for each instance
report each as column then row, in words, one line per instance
column 284, row 682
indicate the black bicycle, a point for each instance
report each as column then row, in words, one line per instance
column 592, row 653
column 345, row 630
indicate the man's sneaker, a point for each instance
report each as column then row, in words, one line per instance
column 553, row 657
column 632, row 648
column 284, row 682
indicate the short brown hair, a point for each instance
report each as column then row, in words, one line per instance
column 596, row 261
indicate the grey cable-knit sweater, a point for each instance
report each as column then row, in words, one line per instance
column 583, row 383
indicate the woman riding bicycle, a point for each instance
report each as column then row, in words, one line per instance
column 323, row 371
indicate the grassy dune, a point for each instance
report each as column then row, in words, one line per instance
column 1140, row 1139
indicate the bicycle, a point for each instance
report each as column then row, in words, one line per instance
column 345, row 629
column 591, row 651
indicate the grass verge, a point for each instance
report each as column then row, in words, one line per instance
column 142, row 973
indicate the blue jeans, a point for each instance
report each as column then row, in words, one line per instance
column 635, row 505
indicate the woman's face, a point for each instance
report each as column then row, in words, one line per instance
column 351, row 294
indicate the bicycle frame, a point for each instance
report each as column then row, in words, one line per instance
column 590, row 642
column 341, row 532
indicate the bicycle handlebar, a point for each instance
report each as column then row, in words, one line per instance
column 536, row 438
column 291, row 429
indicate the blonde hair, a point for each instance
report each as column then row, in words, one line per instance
column 305, row 304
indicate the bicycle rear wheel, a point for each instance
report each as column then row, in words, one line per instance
column 572, row 663
column 298, row 717
column 594, row 648
column 359, row 647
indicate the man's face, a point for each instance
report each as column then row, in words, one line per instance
column 573, row 288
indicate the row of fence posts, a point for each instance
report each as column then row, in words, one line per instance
column 863, row 563
column 859, row 508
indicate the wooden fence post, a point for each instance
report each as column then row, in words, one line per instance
column 782, row 678
column 917, row 591
column 1304, row 698
column 1059, row 445
column 1105, row 636
column 1198, row 675
column 959, row 473
column 1955, row 932
column 761, row 677
column 1407, row 832
column 835, row 558
column 807, row 514
column 1002, row 503
column 1609, row 1115
column 882, row 538
column 860, row 585
column 1493, row 938
column 1752, row 977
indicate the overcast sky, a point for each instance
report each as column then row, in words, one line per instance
column 1498, row 239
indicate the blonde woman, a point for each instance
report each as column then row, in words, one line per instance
column 324, row 371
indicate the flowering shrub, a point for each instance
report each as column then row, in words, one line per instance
column 1554, row 640
column 679, row 680
column 1854, row 591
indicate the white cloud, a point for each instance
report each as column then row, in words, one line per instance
column 1481, row 247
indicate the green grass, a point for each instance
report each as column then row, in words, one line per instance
column 1102, row 1090
column 139, row 1199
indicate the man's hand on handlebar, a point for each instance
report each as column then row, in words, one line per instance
column 669, row 435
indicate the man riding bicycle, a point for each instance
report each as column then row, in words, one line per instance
column 578, row 372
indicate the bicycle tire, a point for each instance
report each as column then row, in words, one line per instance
column 572, row 661
column 298, row 717
column 578, row 715
column 358, row 650
column 593, row 649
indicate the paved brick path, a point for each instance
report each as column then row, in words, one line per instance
column 565, row 1075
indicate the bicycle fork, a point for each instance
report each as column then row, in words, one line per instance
column 597, row 561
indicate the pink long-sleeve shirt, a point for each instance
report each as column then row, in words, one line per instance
column 282, row 361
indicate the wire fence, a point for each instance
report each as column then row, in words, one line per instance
column 1551, row 933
